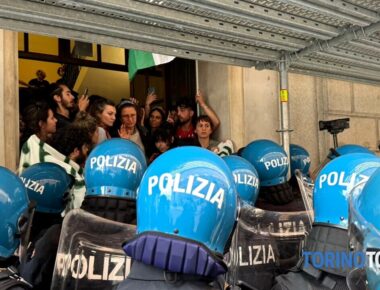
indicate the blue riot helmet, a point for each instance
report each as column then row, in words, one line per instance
column 269, row 159
column 48, row 185
column 348, row 149
column 114, row 168
column 186, row 212
column 271, row 163
column 13, row 204
column 365, row 225
column 299, row 159
column 335, row 182
column 174, row 197
column 246, row 178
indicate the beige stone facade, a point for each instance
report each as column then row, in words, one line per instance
column 248, row 107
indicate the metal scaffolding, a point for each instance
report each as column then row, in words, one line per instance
column 338, row 38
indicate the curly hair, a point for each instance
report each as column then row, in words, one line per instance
column 69, row 138
column 76, row 134
column 84, row 121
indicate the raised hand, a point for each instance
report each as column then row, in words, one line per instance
column 124, row 132
column 199, row 98
column 150, row 98
column 83, row 103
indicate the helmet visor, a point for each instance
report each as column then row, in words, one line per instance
column 364, row 237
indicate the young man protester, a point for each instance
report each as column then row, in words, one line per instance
column 68, row 149
column 185, row 131
column 64, row 104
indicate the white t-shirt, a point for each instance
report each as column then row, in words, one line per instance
column 135, row 137
column 102, row 135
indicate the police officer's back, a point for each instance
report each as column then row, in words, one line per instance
column 113, row 172
column 186, row 211
column 14, row 212
column 329, row 233
column 47, row 185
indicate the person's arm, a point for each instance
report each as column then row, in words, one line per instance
column 150, row 98
column 142, row 120
column 207, row 110
column 83, row 102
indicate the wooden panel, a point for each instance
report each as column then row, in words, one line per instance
column 9, row 116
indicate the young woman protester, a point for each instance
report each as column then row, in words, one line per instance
column 104, row 111
column 39, row 120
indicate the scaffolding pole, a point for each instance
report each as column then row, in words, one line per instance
column 284, row 109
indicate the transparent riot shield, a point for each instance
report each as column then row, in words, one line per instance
column 356, row 279
column 306, row 189
column 265, row 243
column 365, row 238
column 90, row 254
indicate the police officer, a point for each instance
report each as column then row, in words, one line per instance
column 329, row 232
column 246, row 178
column 262, row 240
column 186, row 212
column 14, row 216
column 47, row 185
column 113, row 172
column 348, row 149
column 247, row 184
column 339, row 151
column 365, row 233
column 272, row 165
column 299, row 160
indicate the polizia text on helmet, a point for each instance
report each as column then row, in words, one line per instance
column 193, row 185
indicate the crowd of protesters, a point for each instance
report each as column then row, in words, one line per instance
column 74, row 124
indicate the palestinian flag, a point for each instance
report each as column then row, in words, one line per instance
column 141, row 59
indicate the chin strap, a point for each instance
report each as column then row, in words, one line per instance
column 174, row 254
column 113, row 208
column 328, row 239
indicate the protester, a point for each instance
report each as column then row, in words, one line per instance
column 38, row 118
column 130, row 128
column 104, row 111
column 40, row 81
column 185, row 130
column 64, row 105
column 163, row 140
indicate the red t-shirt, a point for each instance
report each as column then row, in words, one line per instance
column 182, row 134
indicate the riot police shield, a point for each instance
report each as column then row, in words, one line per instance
column 90, row 254
column 306, row 189
column 265, row 243
column 356, row 279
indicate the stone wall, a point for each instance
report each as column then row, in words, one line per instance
column 246, row 101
